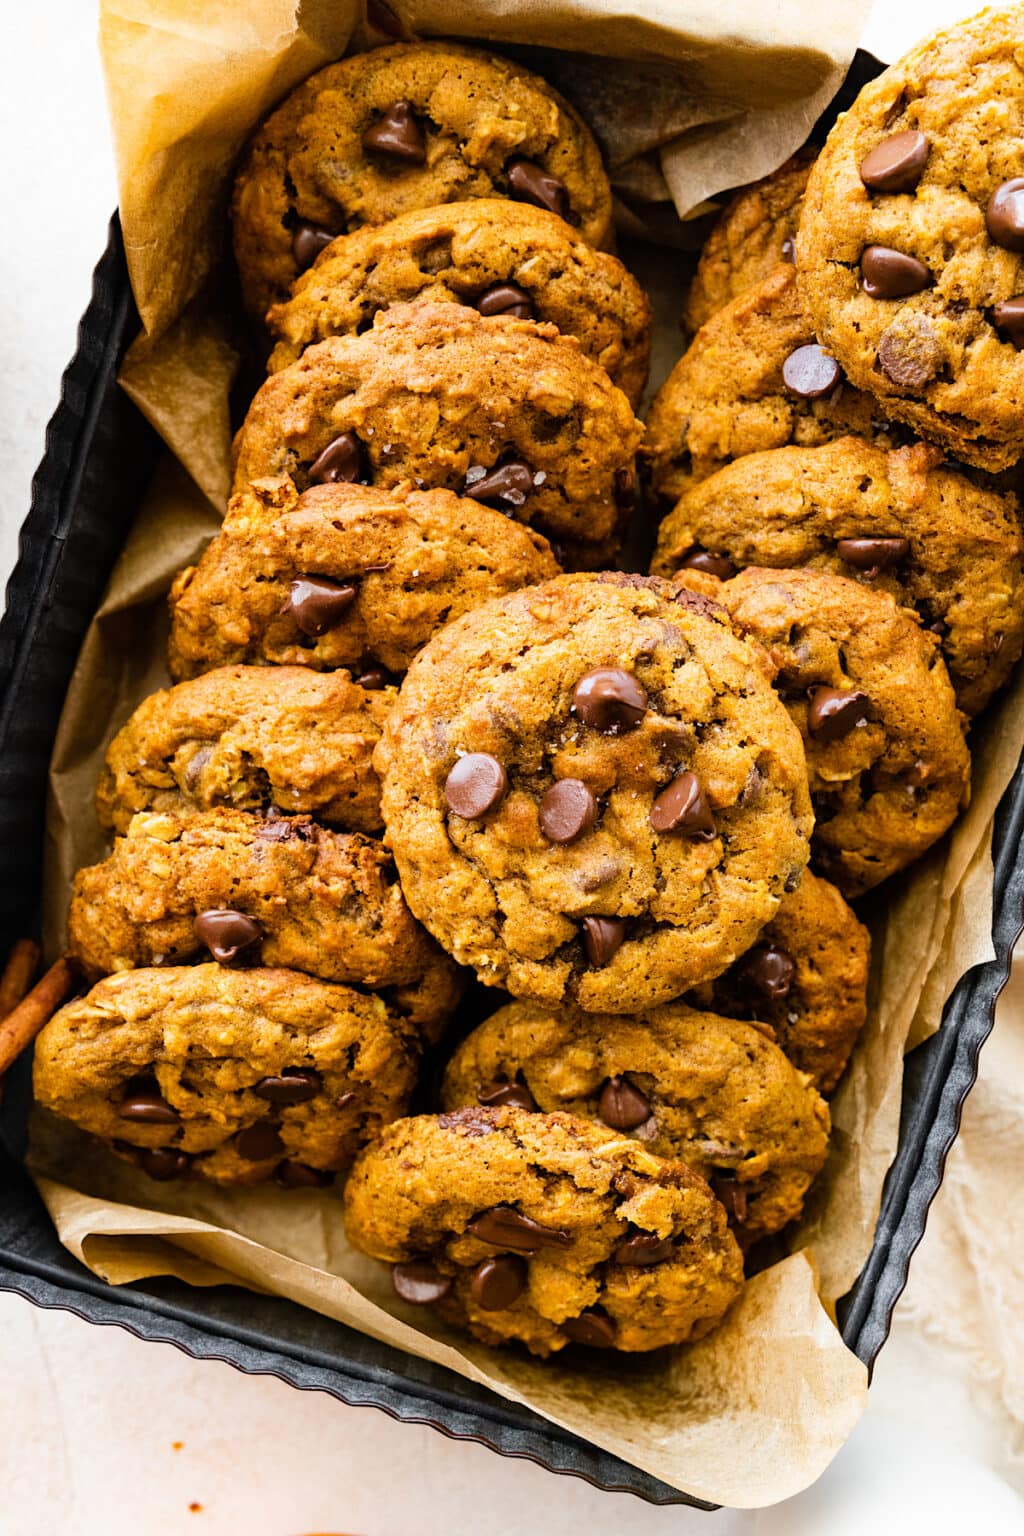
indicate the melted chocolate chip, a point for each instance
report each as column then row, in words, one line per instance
column 625, row 489
column 643, row 1250
column 506, row 299
column 292, row 1175
column 699, row 559
column 909, row 352
column 260, row 1142
column 509, row 483
column 897, row 164
column 531, row 183
column 834, row 712
column 1008, row 319
column 295, row 1085
column 602, row 938
column 374, row 679
column 683, row 807
column 811, row 373
column 499, row 1282
column 622, row 1106
column 872, row 555
column 397, row 134
column 419, row 1283
column 506, row 1096
column 164, row 1163
column 145, row 1104
column 610, row 700
column 506, row 1228
column 341, row 461
column 475, row 785
column 308, row 241
column 593, row 1328
column 567, row 810
column 889, row 274
column 767, row 970
column 318, row 603
column 228, row 935
column 732, row 1194
column 1004, row 216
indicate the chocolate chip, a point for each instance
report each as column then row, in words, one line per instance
column 419, row 1283
column 622, row 1106
column 567, row 809
column 909, row 352
column 308, row 241
column 643, row 1250
column 296, row 1085
column 196, row 764
column 1005, row 214
column 506, row 299
column 732, row 1194
column 767, row 970
column 610, row 700
column 889, row 274
column 228, row 935
column 398, row 134
column 531, row 183
column 625, row 488
column 383, row 18
column 811, row 373
column 374, row 678
column 292, row 1175
column 510, row 483
column 256, row 1143
column 344, row 1100
column 144, row 1103
column 592, row 1327
column 683, row 807
column 163, row 1163
column 895, row 165
column 872, row 555
column 318, row 603
column 788, row 252
column 699, row 559
column 1008, row 319
column 506, row 1096
column 499, row 1282
column 602, row 938
column 506, row 1228
column 475, row 785
column 342, row 460
column 834, row 712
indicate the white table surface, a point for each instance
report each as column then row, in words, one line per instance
column 102, row 1434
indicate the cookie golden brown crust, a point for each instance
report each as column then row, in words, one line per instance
column 685, row 816
column 901, row 522
column 311, row 900
column 231, row 1075
column 255, row 738
column 529, row 1224
column 492, row 255
column 506, row 411
column 906, row 274
column 716, row 1093
column 405, row 562
column 404, row 127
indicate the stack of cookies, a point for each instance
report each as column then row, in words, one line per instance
column 423, row 735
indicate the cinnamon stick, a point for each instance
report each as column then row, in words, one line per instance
column 27, row 1018
column 21, row 967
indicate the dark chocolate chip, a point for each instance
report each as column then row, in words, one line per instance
column 259, row 1142
column 889, row 274
column 788, row 252
column 1008, row 319
column 499, row 1282
column 592, row 1327
column 767, row 970
column 643, row 1250
column 909, row 352
column 344, row 1100
column 227, row 934
column 508, row 483
column 567, row 810
column 873, row 555
column 163, row 1163
column 143, row 1102
column 419, row 1283
column 732, row 1194
column 506, row 1228
column 897, row 164
column 308, row 241
column 341, row 461
column 506, row 299
column 292, row 1175
column 506, row 1095
column 625, row 488
column 811, row 373
column 1005, row 214
column 397, row 133
column 375, row 678
column 622, row 1106
column 296, row 1085
column 531, row 183
column 475, row 785
column 834, row 712
column 699, row 559
column 610, row 700
column 683, row 807
column 602, row 937
column 318, row 603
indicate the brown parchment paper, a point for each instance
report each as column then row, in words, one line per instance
column 753, row 1414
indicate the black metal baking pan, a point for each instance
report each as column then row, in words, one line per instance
column 98, row 459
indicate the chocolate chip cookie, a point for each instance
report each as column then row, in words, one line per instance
column 497, row 257
column 807, row 977
column 343, row 576
column 911, row 243
column 753, row 378
column 403, row 127
column 247, row 890
column 592, row 793
column 754, row 233
column 544, row 1229
column 716, row 1093
column 256, row 738
column 507, row 412
column 867, row 686
column 231, row 1075
column 901, row 522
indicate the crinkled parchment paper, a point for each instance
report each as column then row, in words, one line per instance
column 755, row 1412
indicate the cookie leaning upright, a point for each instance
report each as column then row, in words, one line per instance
column 592, row 792
column 402, row 127
column 911, row 243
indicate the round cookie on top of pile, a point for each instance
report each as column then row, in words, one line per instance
column 507, row 412
column 231, row 1075
column 497, row 257
column 902, row 522
column 718, row 1094
column 402, row 127
column 592, row 792
column 910, row 250
column 541, row 1229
